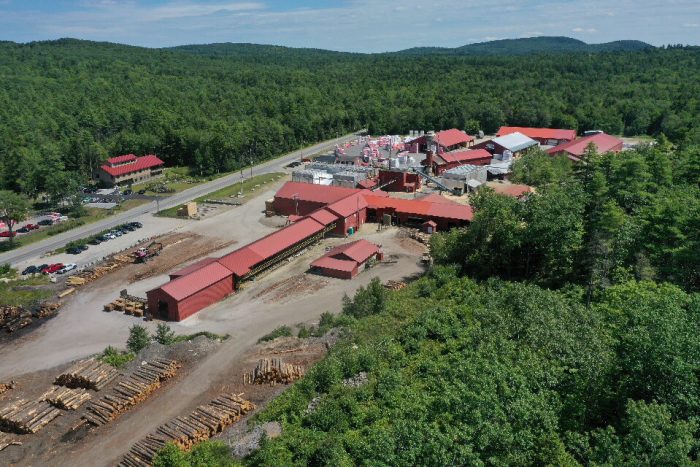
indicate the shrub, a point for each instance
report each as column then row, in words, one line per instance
column 164, row 335
column 282, row 331
column 114, row 357
column 367, row 301
column 304, row 332
column 138, row 338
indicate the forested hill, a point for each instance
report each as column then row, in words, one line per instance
column 532, row 45
column 66, row 105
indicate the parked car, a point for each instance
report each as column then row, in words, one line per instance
column 128, row 192
column 22, row 229
column 30, row 270
column 95, row 241
column 142, row 192
column 117, row 233
column 45, row 222
column 40, row 268
column 68, row 267
column 83, row 247
column 7, row 234
column 128, row 227
column 74, row 250
column 138, row 225
column 53, row 268
column 32, row 226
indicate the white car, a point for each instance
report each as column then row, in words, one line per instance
column 67, row 267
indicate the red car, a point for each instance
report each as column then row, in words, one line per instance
column 7, row 234
column 32, row 226
column 52, row 268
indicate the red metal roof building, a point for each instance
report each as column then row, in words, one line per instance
column 186, row 295
column 399, row 180
column 445, row 161
column 546, row 136
column 514, row 190
column 129, row 169
column 345, row 261
column 416, row 212
column 574, row 149
column 304, row 198
column 447, row 140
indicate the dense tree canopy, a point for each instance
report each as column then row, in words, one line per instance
column 66, row 105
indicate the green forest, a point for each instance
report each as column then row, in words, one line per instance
column 562, row 329
column 67, row 105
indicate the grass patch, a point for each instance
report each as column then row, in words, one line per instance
column 282, row 331
column 230, row 191
column 20, row 293
column 116, row 358
column 210, row 335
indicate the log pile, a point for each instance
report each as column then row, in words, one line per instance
column 128, row 305
column 13, row 318
column 206, row 421
column 4, row 387
column 8, row 440
column 89, row 275
column 395, row 285
column 273, row 371
column 87, row 374
column 66, row 398
column 130, row 392
column 27, row 416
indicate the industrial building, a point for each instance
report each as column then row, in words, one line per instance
column 513, row 143
column 544, row 136
column 345, row 261
column 129, row 169
column 439, row 163
column 574, row 150
column 441, row 141
column 314, row 211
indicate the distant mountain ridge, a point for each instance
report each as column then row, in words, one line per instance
column 530, row 45
column 522, row 46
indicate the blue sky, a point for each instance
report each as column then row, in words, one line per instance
column 348, row 25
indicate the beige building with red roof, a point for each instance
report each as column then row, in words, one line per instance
column 128, row 169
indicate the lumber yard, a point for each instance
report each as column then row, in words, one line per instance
column 315, row 211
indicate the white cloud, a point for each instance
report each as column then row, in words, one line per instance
column 580, row 29
column 691, row 25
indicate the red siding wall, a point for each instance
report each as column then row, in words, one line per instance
column 286, row 207
column 177, row 311
column 405, row 181
column 343, row 225
column 338, row 274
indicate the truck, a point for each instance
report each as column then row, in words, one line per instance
column 143, row 254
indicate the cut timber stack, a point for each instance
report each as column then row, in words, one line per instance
column 87, row 374
column 4, row 387
column 95, row 273
column 395, row 285
column 7, row 440
column 206, row 421
column 128, row 305
column 27, row 416
column 133, row 390
column 13, row 318
column 65, row 398
column 273, row 371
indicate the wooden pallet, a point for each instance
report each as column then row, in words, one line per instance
column 27, row 416
column 273, row 371
column 203, row 423
column 88, row 374
column 133, row 390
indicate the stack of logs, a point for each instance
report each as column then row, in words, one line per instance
column 87, row 374
column 133, row 390
column 7, row 440
column 13, row 318
column 395, row 285
column 4, row 387
column 65, row 398
column 206, row 421
column 27, row 416
column 128, row 305
column 273, row 371
column 95, row 273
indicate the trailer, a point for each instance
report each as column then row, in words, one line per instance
column 145, row 253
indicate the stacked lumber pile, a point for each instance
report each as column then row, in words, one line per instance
column 4, row 387
column 206, row 421
column 273, row 371
column 7, row 440
column 89, row 275
column 395, row 285
column 130, row 392
column 87, row 374
column 128, row 305
column 13, row 318
column 27, row 416
column 66, row 398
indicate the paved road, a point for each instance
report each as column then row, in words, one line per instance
column 55, row 242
